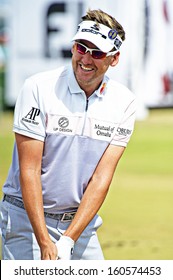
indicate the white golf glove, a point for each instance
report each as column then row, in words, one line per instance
column 65, row 247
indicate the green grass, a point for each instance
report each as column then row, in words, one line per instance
column 138, row 211
column 6, row 145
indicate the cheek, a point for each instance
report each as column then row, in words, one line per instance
column 76, row 56
column 73, row 62
column 102, row 65
column 75, row 59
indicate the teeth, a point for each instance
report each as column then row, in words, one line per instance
column 85, row 68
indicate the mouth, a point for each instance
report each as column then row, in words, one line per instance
column 86, row 69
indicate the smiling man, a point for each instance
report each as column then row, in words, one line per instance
column 72, row 126
column 89, row 72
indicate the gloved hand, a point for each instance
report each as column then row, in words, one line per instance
column 65, row 247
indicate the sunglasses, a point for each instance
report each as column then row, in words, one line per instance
column 95, row 53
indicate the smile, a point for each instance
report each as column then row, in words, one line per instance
column 86, row 68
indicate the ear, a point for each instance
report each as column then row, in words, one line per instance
column 115, row 59
column 72, row 49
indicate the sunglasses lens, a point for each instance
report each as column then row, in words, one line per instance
column 98, row 54
column 95, row 54
column 81, row 49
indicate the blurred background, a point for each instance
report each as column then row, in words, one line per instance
column 36, row 36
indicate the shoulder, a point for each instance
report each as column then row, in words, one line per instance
column 119, row 97
column 48, row 77
column 119, row 90
column 41, row 86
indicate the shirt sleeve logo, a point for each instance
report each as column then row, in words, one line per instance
column 31, row 116
column 124, row 131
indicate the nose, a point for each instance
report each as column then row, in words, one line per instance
column 87, row 58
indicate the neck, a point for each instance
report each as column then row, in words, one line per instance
column 89, row 89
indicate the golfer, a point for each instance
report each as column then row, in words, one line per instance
column 71, row 125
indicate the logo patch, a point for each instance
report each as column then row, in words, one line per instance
column 117, row 43
column 62, row 125
column 102, row 88
column 63, row 122
column 112, row 34
column 93, row 31
column 31, row 116
column 123, row 131
column 95, row 27
column 105, row 131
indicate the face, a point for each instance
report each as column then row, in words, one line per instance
column 88, row 71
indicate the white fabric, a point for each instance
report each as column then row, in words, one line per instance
column 100, row 35
column 52, row 108
column 65, row 247
column 19, row 242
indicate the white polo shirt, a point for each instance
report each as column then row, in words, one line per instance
column 76, row 131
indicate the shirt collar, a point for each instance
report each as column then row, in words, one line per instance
column 75, row 88
column 100, row 92
column 72, row 83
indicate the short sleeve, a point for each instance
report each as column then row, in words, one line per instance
column 29, row 115
column 126, row 126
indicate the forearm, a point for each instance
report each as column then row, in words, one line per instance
column 91, row 202
column 30, row 181
column 33, row 202
column 96, row 191
column 32, row 197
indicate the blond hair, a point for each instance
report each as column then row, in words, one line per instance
column 101, row 17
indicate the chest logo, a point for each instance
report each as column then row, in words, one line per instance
column 63, row 122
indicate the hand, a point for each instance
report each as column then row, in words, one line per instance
column 49, row 251
column 65, row 246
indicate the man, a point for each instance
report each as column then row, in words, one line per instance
column 71, row 126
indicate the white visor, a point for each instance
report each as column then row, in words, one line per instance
column 100, row 35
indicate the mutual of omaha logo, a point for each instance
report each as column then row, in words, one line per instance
column 106, row 131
